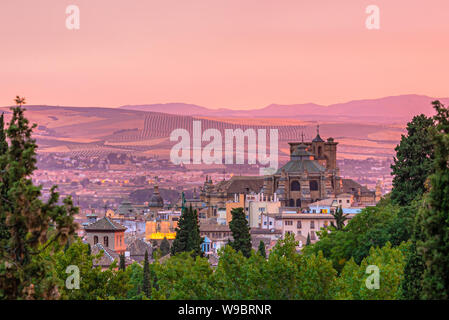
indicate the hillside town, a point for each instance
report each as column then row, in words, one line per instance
column 299, row 199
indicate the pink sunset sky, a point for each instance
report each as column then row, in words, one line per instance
column 221, row 53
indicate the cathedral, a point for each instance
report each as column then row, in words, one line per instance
column 310, row 175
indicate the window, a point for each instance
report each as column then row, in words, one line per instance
column 313, row 184
column 312, row 224
column 95, row 240
column 106, row 241
column 298, row 203
column 295, row 186
column 312, row 235
column 288, row 223
column 298, row 225
column 291, row 203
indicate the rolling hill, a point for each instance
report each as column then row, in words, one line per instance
column 99, row 131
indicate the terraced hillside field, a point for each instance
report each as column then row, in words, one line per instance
column 97, row 131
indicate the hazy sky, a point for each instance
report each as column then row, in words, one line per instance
column 221, row 53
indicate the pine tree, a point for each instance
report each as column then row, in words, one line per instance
column 434, row 216
column 413, row 162
column 240, row 232
column 31, row 225
column 308, row 239
column 122, row 262
column 261, row 249
column 165, row 247
column 340, row 218
column 188, row 237
column 146, row 286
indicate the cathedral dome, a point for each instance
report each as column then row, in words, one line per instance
column 156, row 199
column 301, row 160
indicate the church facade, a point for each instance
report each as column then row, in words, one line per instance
column 310, row 175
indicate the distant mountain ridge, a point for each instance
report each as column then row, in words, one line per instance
column 384, row 110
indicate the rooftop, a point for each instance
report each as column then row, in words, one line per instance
column 105, row 224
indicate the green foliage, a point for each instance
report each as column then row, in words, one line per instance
column 240, row 232
column 95, row 284
column 146, row 285
column 352, row 282
column 434, row 215
column 165, row 247
column 317, row 278
column 3, row 187
column 135, row 291
column 3, row 142
column 188, row 237
column 413, row 161
column 413, row 272
column 122, row 265
column 373, row 227
column 30, row 225
column 340, row 218
column 183, row 277
column 261, row 249
column 284, row 275
column 237, row 277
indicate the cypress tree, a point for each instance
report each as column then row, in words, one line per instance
column 434, row 216
column 3, row 186
column 122, row 262
column 261, row 249
column 146, row 276
column 240, row 232
column 31, row 225
column 188, row 237
column 165, row 247
column 411, row 285
column 308, row 239
column 3, row 142
column 413, row 161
